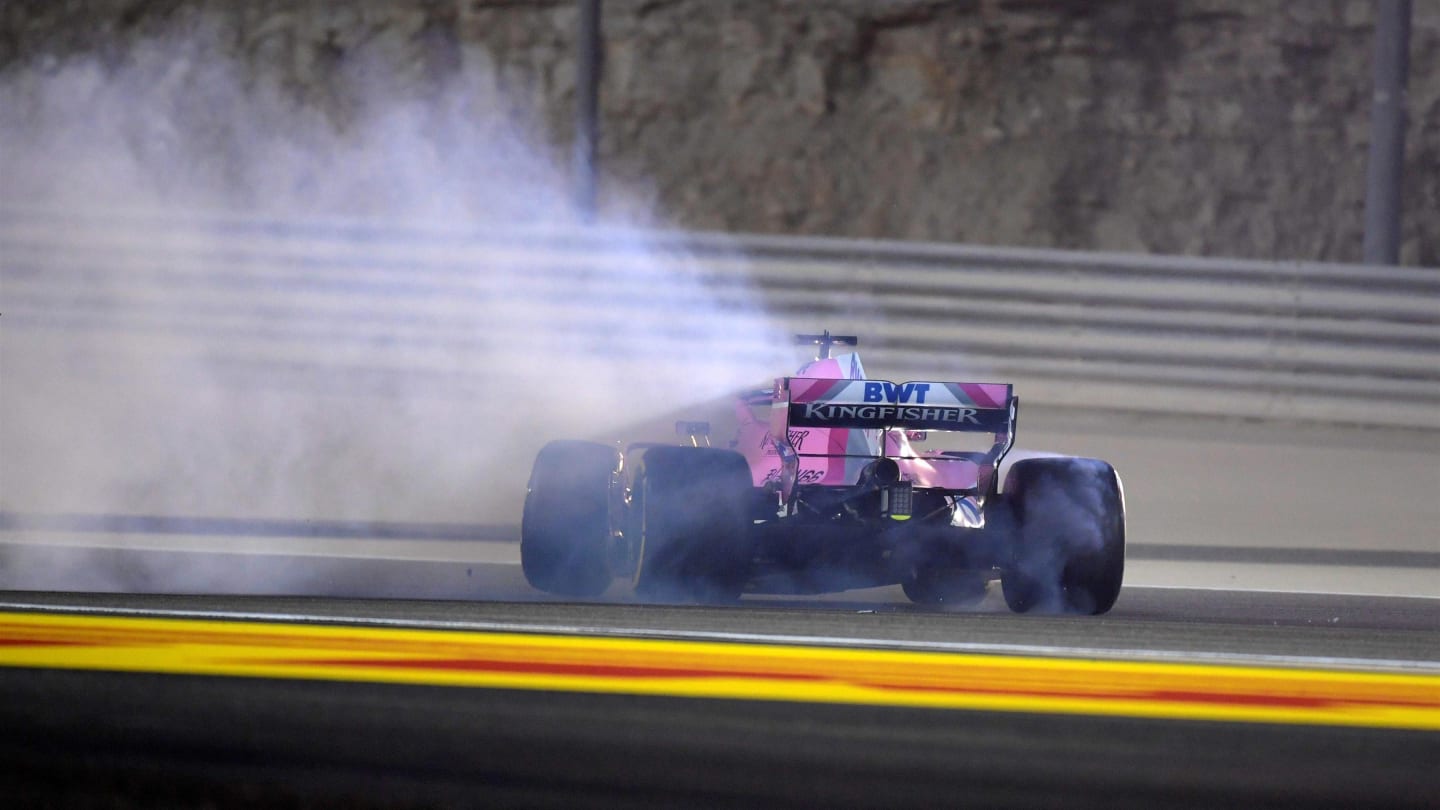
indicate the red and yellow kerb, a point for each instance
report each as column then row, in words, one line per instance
column 695, row 669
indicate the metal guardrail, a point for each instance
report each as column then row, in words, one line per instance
column 370, row 306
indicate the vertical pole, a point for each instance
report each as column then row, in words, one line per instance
column 1387, row 133
column 587, row 95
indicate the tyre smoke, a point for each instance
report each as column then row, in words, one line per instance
column 224, row 298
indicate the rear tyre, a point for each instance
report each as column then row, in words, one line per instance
column 1068, row 541
column 690, row 510
column 566, row 523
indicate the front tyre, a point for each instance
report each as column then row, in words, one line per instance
column 948, row 588
column 1068, row 542
column 566, row 524
column 690, row 512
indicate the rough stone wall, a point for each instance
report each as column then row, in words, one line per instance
column 1203, row 127
column 1226, row 127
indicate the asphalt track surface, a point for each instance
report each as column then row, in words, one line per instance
column 105, row 739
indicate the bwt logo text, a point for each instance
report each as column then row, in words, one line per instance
column 890, row 392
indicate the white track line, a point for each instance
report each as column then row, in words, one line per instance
column 497, row 552
column 1237, row 589
column 1041, row 650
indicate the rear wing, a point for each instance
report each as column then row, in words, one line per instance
column 878, row 404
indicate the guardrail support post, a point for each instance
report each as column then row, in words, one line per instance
column 587, row 95
column 1387, row 133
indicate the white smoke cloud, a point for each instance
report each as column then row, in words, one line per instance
column 223, row 297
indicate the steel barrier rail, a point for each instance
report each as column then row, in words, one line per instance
column 323, row 303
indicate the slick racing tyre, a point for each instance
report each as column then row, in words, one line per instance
column 1068, row 537
column 690, row 510
column 566, row 523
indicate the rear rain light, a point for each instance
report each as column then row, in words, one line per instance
column 897, row 501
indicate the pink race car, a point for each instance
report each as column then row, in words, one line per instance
column 823, row 489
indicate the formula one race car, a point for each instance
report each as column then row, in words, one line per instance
column 824, row 491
